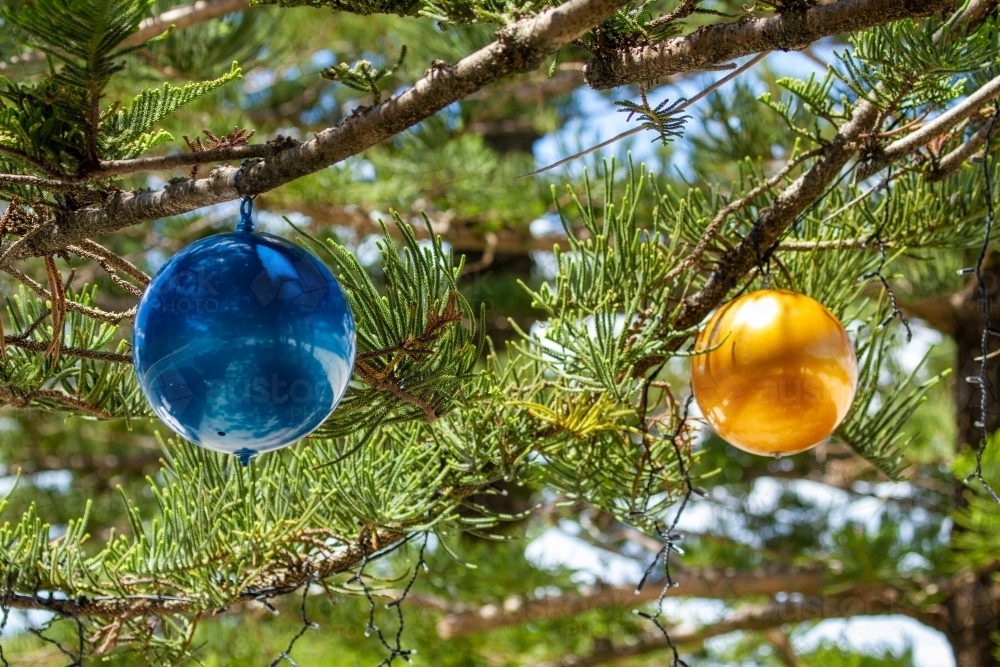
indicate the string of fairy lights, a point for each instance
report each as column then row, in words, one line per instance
column 982, row 380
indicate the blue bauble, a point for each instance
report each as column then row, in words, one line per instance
column 244, row 343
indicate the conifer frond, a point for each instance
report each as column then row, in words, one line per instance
column 362, row 76
column 664, row 120
column 417, row 342
column 874, row 426
column 126, row 133
column 58, row 125
column 903, row 66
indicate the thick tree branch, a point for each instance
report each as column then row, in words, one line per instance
column 711, row 46
column 520, row 47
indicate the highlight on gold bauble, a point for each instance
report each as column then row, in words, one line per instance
column 774, row 372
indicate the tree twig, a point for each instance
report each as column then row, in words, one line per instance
column 34, row 181
column 954, row 160
column 229, row 153
column 635, row 130
column 79, row 352
column 184, row 17
column 939, row 125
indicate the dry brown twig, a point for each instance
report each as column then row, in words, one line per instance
column 240, row 136
column 58, row 308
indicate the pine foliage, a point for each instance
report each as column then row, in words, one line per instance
column 59, row 125
column 588, row 404
column 417, row 347
column 86, row 377
column 127, row 133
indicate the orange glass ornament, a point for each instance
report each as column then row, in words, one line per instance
column 776, row 373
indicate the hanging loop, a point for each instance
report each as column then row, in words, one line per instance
column 246, row 203
column 246, row 215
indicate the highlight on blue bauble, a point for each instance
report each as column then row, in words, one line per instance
column 244, row 343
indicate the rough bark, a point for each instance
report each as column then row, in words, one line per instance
column 715, row 45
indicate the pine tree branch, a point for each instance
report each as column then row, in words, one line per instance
column 712, row 228
column 953, row 161
column 177, row 160
column 837, row 244
column 779, row 216
column 387, row 383
column 72, row 306
column 113, row 260
column 712, row 584
column 929, row 131
column 81, row 353
column 711, row 46
column 43, row 183
column 9, row 397
column 748, row 618
column 281, row 579
column 521, row 47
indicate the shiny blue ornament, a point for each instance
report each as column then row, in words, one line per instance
column 243, row 342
